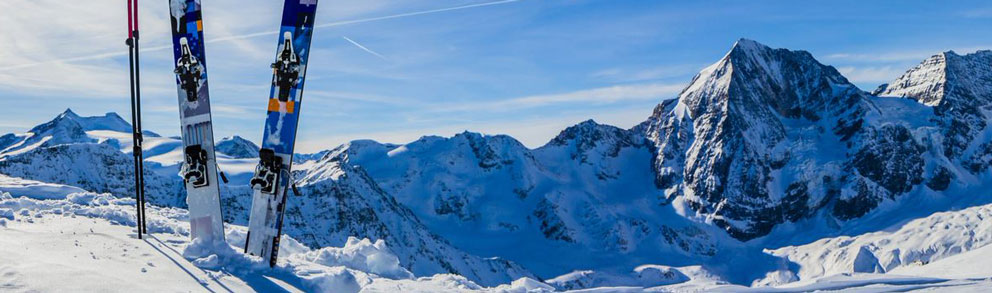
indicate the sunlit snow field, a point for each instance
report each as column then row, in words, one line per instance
column 59, row 238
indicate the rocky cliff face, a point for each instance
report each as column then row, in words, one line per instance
column 736, row 146
column 767, row 136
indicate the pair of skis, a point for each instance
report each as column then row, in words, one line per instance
column 272, row 178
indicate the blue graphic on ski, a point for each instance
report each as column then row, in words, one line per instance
column 199, row 170
column 272, row 176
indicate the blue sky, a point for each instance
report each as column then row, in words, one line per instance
column 394, row 71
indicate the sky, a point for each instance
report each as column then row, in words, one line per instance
column 394, row 71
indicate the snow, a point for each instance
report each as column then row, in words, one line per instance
column 969, row 265
column 920, row 241
column 34, row 189
column 360, row 254
column 88, row 241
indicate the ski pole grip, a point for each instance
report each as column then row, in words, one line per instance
column 130, row 19
column 135, row 17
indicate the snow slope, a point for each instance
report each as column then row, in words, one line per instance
column 918, row 242
column 86, row 242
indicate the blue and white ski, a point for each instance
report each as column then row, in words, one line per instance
column 199, row 169
column 272, row 176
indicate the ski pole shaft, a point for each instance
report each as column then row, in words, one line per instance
column 135, row 79
column 140, row 133
column 130, row 46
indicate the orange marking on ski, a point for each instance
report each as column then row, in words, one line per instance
column 199, row 25
column 276, row 106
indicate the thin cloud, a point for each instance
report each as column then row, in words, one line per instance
column 604, row 95
column 364, row 20
column 417, row 13
column 647, row 74
column 900, row 56
column 871, row 73
column 230, row 38
column 366, row 49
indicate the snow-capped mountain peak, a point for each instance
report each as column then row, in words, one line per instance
column 746, row 114
column 110, row 121
column 66, row 128
column 237, row 147
column 943, row 77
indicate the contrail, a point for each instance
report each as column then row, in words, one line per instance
column 74, row 59
column 416, row 13
column 266, row 33
column 364, row 20
column 364, row 48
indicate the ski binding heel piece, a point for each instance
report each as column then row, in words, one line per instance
column 195, row 169
column 267, row 173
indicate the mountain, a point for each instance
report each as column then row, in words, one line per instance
column 959, row 89
column 587, row 199
column 764, row 150
column 93, row 167
column 770, row 136
column 737, row 145
column 237, row 147
column 66, row 128
column 70, row 150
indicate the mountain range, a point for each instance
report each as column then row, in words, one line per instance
column 765, row 149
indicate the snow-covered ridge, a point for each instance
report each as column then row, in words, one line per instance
column 927, row 83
